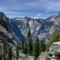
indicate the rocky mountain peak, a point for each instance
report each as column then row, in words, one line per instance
column 2, row 14
column 38, row 27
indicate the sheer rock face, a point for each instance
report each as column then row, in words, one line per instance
column 52, row 54
column 11, row 27
column 55, row 47
column 56, row 21
column 43, row 56
column 5, row 37
column 2, row 29
column 4, row 25
column 41, row 28
column 54, row 51
column 38, row 27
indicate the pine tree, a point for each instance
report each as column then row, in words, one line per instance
column 17, row 51
column 10, row 53
column 24, row 48
column 37, row 48
column 5, row 48
column 30, row 43
column 43, row 46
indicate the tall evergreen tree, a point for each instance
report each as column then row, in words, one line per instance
column 17, row 51
column 43, row 46
column 30, row 43
column 24, row 48
column 37, row 48
column 10, row 53
column 5, row 49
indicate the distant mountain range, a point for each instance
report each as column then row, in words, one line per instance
column 38, row 27
column 41, row 28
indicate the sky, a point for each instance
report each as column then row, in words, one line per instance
column 30, row 8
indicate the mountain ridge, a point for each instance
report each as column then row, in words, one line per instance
column 41, row 28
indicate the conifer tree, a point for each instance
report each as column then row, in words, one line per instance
column 37, row 48
column 10, row 53
column 30, row 43
column 17, row 51
column 24, row 48
column 43, row 46
column 5, row 48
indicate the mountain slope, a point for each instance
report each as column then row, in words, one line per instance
column 38, row 27
column 11, row 27
column 41, row 28
column 56, row 23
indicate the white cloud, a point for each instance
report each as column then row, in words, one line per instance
column 46, row 5
column 38, row 15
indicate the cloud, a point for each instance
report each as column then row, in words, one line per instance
column 32, row 8
column 42, row 15
column 38, row 15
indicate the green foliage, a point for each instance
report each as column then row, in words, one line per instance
column 24, row 48
column 30, row 43
column 43, row 45
column 17, row 50
column 10, row 53
column 7, row 51
column 55, row 38
column 37, row 48
column 30, row 46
